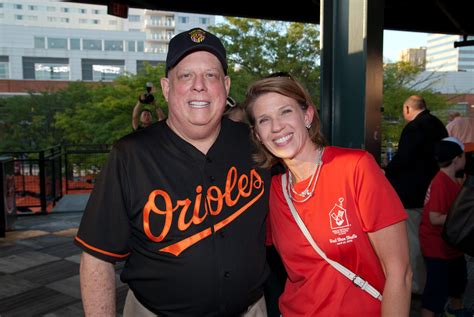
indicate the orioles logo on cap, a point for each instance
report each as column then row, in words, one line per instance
column 197, row 36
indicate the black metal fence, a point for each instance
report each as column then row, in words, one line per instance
column 82, row 165
column 42, row 177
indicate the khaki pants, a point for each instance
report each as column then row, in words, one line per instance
column 133, row 308
column 416, row 258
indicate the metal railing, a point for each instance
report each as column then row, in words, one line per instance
column 42, row 177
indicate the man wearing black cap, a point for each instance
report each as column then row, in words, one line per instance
column 181, row 202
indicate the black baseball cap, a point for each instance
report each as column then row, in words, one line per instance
column 447, row 149
column 194, row 40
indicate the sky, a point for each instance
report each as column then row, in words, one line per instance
column 395, row 41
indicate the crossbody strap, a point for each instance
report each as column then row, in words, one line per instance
column 357, row 280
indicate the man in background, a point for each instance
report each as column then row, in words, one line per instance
column 142, row 118
column 411, row 171
column 463, row 129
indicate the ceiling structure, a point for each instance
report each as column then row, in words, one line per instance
column 430, row 16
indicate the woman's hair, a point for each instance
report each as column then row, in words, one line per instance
column 283, row 84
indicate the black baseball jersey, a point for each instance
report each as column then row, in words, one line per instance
column 190, row 226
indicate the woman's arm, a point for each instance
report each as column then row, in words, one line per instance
column 391, row 246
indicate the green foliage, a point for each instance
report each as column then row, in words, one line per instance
column 257, row 48
column 82, row 113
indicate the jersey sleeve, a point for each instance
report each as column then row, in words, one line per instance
column 104, row 229
column 378, row 204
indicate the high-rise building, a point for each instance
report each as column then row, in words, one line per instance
column 415, row 56
column 442, row 56
column 52, row 40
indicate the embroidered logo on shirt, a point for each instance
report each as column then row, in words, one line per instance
column 338, row 218
column 340, row 225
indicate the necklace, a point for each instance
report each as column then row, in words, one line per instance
column 306, row 193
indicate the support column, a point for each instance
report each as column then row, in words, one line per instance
column 352, row 73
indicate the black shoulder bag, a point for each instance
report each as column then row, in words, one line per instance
column 458, row 230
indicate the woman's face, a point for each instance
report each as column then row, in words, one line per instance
column 280, row 124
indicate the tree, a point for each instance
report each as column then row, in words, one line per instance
column 104, row 114
column 257, row 48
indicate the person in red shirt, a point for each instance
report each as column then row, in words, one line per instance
column 445, row 266
column 345, row 201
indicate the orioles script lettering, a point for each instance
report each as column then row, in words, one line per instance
column 236, row 187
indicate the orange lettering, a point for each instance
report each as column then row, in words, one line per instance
column 242, row 186
column 168, row 212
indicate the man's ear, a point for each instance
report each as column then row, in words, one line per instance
column 165, row 87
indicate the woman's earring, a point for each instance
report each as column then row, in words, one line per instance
column 308, row 126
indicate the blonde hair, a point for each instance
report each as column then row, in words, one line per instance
column 283, row 84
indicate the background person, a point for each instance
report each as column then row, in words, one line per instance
column 142, row 118
column 411, row 171
column 445, row 266
column 463, row 129
column 181, row 202
column 345, row 201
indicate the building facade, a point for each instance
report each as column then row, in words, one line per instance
column 442, row 56
column 63, row 41
column 415, row 56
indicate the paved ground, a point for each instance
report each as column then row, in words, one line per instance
column 39, row 267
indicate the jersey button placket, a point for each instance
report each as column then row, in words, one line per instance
column 212, row 179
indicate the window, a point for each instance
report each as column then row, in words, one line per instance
column 65, row 10
column 95, row 21
column 131, row 46
column 75, row 44
column 204, row 20
column 112, row 22
column 113, row 45
column 32, row 7
column 183, row 19
column 83, row 11
column 47, row 71
column 95, row 11
column 64, row 20
column 52, row 19
column 57, row 43
column 4, row 70
column 106, row 72
column 50, row 9
column 18, row 17
column 32, row 18
column 140, row 46
column 40, row 42
column 92, row 45
column 82, row 21
column 134, row 18
column 18, row 6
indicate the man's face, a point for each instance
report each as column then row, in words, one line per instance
column 145, row 118
column 196, row 90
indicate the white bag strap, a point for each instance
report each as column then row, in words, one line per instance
column 357, row 280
